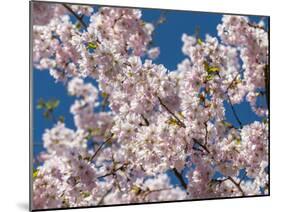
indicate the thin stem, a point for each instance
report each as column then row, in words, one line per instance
column 229, row 86
column 145, row 120
column 146, row 193
column 201, row 145
column 237, row 185
column 180, row 178
column 180, row 123
column 256, row 26
column 114, row 171
column 80, row 19
column 234, row 112
column 231, row 105
column 102, row 198
column 104, row 103
column 206, row 133
column 100, row 147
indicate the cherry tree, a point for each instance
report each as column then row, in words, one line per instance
column 159, row 121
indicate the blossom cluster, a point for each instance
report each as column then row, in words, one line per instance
column 159, row 122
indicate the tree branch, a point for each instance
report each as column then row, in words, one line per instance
column 146, row 193
column 206, row 133
column 180, row 178
column 230, row 84
column 80, row 19
column 180, row 123
column 145, row 120
column 234, row 112
column 229, row 100
column 100, row 147
column 102, row 198
column 237, row 185
column 256, row 26
column 114, row 171
column 201, row 145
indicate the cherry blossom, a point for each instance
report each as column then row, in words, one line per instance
column 143, row 121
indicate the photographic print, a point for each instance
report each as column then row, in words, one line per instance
column 140, row 105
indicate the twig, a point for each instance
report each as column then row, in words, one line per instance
column 161, row 19
column 104, row 103
column 206, row 133
column 229, row 86
column 180, row 178
column 178, row 120
column 97, row 151
column 231, row 105
column 80, row 19
column 232, row 180
column 201, row 145
column 145, row 120
column 102, row 198
column 234, row 112
column 237, row 185
column 146, row 193
column 113, row 171
column 256, row 26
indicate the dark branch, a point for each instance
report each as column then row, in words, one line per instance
column 229, row 86
column 231, row 105
column 234, row 112
column 180, row 123
column 146, row 193
column 114, row 171
column 80, row 19
column 201, row 145
column 206, row 133
column 102, row 198
column 180, row 178
column 256, row 26
column 237, row 185
column 145, row 120
column 100, row 147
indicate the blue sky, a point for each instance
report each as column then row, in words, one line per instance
column 168, row 37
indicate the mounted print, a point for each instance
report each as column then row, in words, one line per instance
column 139, row 105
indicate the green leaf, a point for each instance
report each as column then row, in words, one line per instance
column 40, row 104
column 55, row 103
column 46, row 114
column 85, row 194
column 199, row 41
column 238, row 141
column 264, row 120
column 213, row 69
column 61, row 119
column 35, row 173
column 227, row 124
column 209, row 77
column 78, row 25
column 181, row 115
column 91, row 45
column 210, row 69
column 52, row 104
column 104, row 95
column 172, row 122
column 206, row 66
column 136, row 189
